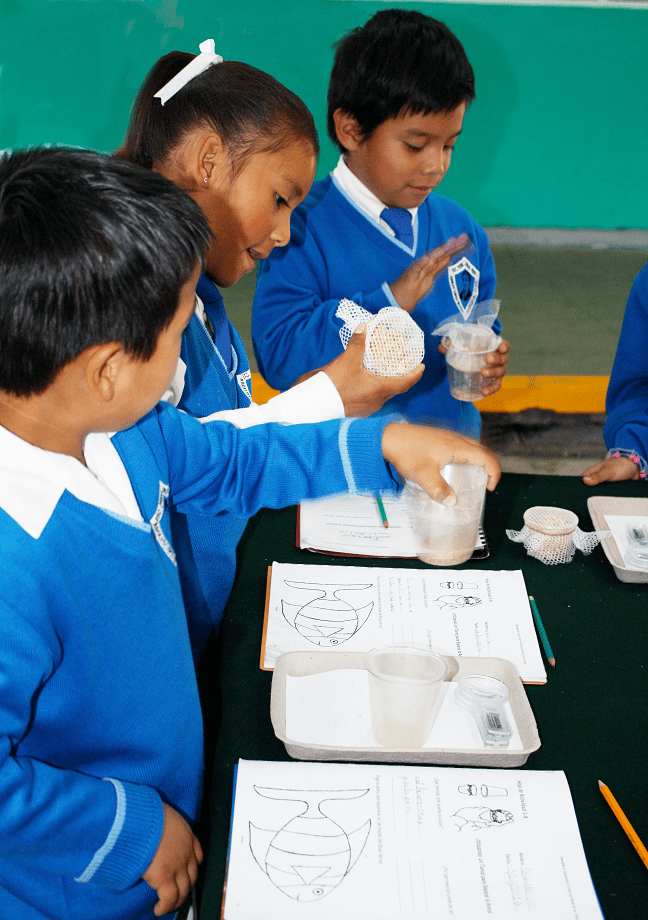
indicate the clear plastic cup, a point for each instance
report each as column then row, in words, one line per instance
column 444, row 535
column 467, row 347
column 404, row 688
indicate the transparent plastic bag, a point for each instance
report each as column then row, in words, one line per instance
column 467, row 342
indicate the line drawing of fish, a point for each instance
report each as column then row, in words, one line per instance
column 326, row 620
column 311, row 854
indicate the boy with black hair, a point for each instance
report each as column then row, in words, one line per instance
column 100, row 727
column 399, row 88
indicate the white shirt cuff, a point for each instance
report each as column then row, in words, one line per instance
column 314, row 400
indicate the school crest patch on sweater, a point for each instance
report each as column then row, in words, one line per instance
column 463, row 278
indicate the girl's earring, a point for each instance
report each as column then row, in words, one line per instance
column 206, row 179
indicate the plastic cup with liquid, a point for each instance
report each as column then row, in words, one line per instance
column 446, row 535
column 404, row 689
column 466, row 349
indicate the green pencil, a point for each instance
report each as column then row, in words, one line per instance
column 543, row 633
column 381, row 508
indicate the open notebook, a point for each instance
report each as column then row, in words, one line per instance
column 350, row 525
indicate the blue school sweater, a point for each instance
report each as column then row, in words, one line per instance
column 217, row 378
column 99, row 714
column 337, row 251
column 627, row 396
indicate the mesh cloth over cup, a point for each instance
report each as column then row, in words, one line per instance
column 446, row 535
column 467, row 346
column 552, row 535
column 394, row 344
column 404, row 689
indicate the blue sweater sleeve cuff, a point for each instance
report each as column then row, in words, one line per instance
column 364, row 466
column 133, row 838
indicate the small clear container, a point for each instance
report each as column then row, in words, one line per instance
column 484, row 698
column 467, row 346
column 636, row 555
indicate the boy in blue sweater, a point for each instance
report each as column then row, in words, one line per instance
column 100, row 726
column 399, row 88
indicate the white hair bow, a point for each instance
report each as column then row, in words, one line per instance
column 205, row 59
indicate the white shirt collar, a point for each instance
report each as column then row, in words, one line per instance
column 32, row 480
column 361, row 196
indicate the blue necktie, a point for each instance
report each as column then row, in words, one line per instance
column 400, row 220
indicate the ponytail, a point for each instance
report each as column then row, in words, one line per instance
column 249, row 110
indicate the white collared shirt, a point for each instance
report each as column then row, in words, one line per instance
column 32, row 480
column 361, row 196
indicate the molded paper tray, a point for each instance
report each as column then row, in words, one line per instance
column 600, row 505
column 300, row 664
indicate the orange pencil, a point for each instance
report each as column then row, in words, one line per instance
column 625, row 824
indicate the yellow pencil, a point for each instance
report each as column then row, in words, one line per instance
column 625, row 824
column 381, row 508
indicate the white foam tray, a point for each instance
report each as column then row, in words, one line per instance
column 600, row 505
column 300, row 664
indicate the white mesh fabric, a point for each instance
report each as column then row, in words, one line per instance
column 394, row 344
column 352, row 315
column 552, row 535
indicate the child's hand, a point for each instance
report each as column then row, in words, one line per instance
column 362, row 392
column 174, row 868
column 616, row 469
column 496, row 363
column 495, row 368
column 418, row 278
column 420, row 453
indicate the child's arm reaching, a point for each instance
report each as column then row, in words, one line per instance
column 419, row 454
column 174, row 868
column 351, row 391
column 215, row 467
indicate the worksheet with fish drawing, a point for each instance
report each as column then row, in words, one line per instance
column 470, row 612
column 312, row 841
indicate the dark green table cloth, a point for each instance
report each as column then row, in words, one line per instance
column 592, row 714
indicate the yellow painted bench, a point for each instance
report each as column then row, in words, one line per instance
column 560, row 393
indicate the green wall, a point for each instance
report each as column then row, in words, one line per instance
column 557, row 137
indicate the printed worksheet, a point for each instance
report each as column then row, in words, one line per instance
column 382, row 842
column 351, row 525
column 355, row 608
